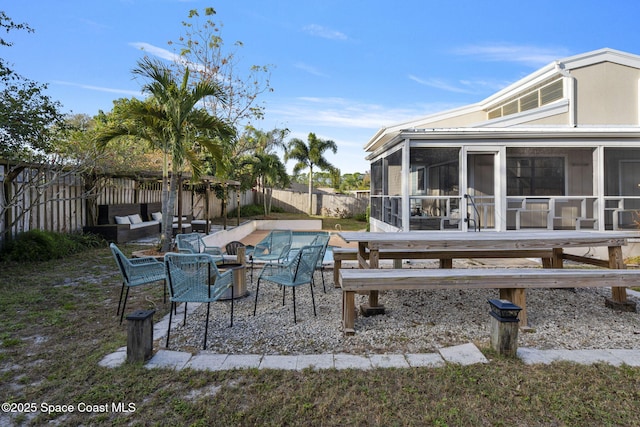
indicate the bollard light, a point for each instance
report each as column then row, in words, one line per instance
column 504, row 310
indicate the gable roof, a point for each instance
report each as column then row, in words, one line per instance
column 557, row 68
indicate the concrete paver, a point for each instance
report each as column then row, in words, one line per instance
column 465, row 354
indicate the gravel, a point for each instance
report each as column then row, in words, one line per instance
column 415, row 321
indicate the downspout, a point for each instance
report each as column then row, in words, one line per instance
column 570, row 88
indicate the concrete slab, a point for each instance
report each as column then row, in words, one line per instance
column 169, row 359
column 424, row 360
column 115, row 359
column 388, row 361
column 209, row 362
column 241, row 361
column 628, row 357
column 285, row 362
column 589, row 357
column 465, row 354
column 315, row 361
column 532, row 356
column 351, row 361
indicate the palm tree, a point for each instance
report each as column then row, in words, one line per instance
column 269, row 172
column 172, row 121
column 310, row 155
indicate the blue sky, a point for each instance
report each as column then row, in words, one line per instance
column 342, row 69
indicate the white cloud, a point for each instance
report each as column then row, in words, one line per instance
column 310, row 69
column 324, row 32
column 99, row 88
column 339, row 112
column 439, row 84
column 157, row 51
column 505, row 52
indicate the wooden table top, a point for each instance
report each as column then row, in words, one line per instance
column 457, row 240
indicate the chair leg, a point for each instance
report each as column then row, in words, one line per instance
column 232, row 298
column 313, row 300
column 283, row 291
column 169, row 327
column 206, row 327
column 126, row 295
column 184, row 322
column 322, row 275
column 294, row 304
column 256, row 303
column 164, row 292
column 120, row 300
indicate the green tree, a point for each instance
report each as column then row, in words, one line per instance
column 172, row 121
column 269, row 172
column 29, row 122
column 202, row 44
column 310, row 155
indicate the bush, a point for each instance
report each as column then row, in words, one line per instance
column 39, row 245
column 252, row 210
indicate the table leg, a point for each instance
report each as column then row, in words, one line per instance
column 618, row 300
column 337, row 265
column 348, row 312
column 446, row 262
column 373, row 307
column 519, row 298
column 556, row 261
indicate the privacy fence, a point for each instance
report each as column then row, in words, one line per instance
column 37, row 199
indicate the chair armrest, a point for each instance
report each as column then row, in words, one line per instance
column 144, row 260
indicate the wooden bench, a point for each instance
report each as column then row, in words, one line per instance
column 511, row 282
column 446, row 258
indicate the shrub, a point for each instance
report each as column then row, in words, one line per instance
column 39, row 245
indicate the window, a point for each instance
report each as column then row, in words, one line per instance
column 534, row 98
column 535, row 176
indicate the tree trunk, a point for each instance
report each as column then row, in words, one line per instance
column 310, row 190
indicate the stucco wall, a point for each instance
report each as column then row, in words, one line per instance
column 607, row 94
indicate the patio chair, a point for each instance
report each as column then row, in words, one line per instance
column 232, row 247
column 297, row 271
column 195, row 278
column 273, row 248
column 136, row 272
column 192, row 243
column 322, row 239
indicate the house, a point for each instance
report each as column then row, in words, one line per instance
column 558, row 149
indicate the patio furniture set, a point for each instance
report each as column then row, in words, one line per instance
column 201, row 273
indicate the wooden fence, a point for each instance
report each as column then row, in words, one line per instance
column 42, row 200
column 63, row 205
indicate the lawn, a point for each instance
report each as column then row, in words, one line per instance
column 59, row 320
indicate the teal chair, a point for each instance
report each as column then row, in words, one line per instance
column 195, row 278
column 323, row 240
column 295, row 272
column 192, row 243
column 273, row 248
column 136, row 272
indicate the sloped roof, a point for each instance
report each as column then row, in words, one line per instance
column 556, row 68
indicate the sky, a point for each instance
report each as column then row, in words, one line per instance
column 341, row 69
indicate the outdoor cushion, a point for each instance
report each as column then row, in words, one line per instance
column 135, row 219
column 122, row 220
column 143, row 224
column 157, row 216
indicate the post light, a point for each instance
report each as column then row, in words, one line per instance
column 504, row 310
column 504, row 326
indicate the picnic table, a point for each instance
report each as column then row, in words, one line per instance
column 447, row 245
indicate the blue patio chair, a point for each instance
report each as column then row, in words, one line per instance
column 295, row 272
column 195, row 278
column 192, row 243
column 322, row 239
column 136, row 272
column 273, row 248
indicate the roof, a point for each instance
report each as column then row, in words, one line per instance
column 558, row 68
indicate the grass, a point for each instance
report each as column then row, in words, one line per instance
column 59, row 320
